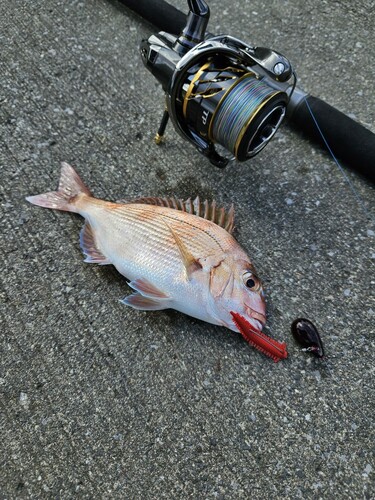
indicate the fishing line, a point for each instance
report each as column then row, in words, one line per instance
column 366, row 212
column 237, row 109
column 357, row 196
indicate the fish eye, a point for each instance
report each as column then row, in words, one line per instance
column 250, row 280
column 250, row 283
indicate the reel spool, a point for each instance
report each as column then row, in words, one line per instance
column 234, row 108
column 220, row 90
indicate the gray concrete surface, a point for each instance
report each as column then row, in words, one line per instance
column 100, row 401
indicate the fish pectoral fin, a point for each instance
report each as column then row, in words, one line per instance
column 89, row 247
column 138, row 301
column 147, row 289
column 191, row 264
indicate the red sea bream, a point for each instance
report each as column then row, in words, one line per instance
column 176, row 254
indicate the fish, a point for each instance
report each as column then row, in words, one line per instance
column 175, row 254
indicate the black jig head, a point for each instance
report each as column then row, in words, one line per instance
column 307, row 336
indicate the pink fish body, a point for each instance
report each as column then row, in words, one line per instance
column 174, row 257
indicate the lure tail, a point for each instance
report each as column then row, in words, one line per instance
column 270, row 347
column 70, row 186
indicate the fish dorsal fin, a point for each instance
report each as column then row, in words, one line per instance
column 89, row 247
column 206, row 210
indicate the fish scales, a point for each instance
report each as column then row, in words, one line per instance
column 186, row 224
column 156, row 229
column 137, row 244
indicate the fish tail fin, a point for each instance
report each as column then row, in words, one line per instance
column 70, row 186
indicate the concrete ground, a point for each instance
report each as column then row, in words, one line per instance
column 101, row 401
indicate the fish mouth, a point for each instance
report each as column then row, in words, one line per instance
column 268, row 346
column 257, row 317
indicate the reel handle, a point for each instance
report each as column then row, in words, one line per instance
column 195, row 29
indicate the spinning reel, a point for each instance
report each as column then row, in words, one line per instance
column 219, row 90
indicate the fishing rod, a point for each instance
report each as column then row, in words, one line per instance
column 222, row 91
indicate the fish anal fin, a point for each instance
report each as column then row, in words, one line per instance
column 89, row 247
column 138, row 301
column 191, row 264
column 147, row 289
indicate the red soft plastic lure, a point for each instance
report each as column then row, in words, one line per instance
column 272, row 348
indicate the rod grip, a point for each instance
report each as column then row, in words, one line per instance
column 349, row 141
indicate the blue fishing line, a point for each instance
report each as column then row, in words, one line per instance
column 357, row 196
column 236, row 110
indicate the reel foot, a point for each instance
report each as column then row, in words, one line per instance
column 159, row 137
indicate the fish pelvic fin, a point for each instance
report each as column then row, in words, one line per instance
column 147, row 297
column 138, row 301
column 90, row 248
column 147, row 289
column 70, row 186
